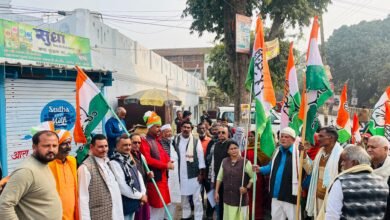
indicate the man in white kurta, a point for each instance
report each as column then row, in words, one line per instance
column 185, row 144
column 98, row 152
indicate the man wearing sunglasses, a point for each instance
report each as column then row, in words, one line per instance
column 219, row 151
column 64, row 169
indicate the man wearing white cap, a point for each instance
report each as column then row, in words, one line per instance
column 166, row 138
column 284, row 179
column 173, row 175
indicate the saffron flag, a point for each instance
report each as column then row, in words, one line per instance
column 259, row 76
column 292, row 98
column 356, row 138
column 377, row 121
column 317, row 84
column 343, row 122
column 387, row 120
column 91, row 107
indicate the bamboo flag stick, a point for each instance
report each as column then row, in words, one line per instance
column 300, row 171
column 246, row 142
column 254, row 176
column 146, row 167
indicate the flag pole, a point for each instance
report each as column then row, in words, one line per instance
column 254, row 176
column 145, row 165
column 246, row 142
column 301, row 155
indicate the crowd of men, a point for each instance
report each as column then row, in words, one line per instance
column 152, row 172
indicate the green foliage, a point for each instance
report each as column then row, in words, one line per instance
column 361, row 54
column 209, row 14
column 219, row 70
column 291, row 13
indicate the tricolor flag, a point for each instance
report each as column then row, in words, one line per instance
column 377, row 121
column 343, row 122
column 317, row 84
column 356, row 138
column 292, row 98
column 91, row 107
column 259, row 76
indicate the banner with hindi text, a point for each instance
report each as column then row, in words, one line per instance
column 27, row 44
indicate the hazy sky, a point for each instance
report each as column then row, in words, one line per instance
column 127, row 16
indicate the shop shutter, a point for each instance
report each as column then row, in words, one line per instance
column 25, row 100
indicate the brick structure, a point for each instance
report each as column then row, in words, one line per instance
column 192, row 60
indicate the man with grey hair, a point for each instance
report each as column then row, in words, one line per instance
column 378, row 149
column 114, row 129
column 356, row 193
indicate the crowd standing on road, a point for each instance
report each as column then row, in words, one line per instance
column 209, row 171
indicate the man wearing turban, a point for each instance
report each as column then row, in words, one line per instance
column 158, row 161
column 64, row 170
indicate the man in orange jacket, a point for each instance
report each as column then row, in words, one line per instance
column 64, row 169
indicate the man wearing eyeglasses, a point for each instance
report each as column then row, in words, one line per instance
column 378, row 149
column 130, row 180
column 64, row 169
column 144, row 211
column 219, row 151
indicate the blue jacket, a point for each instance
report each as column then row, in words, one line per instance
column 113, row 130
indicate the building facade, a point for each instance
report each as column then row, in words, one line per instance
column 119, row 66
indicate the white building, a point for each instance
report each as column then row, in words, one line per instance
column 133, row 67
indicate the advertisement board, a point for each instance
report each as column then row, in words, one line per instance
column 27, row 44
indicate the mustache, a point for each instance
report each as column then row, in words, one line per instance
column 50, row 153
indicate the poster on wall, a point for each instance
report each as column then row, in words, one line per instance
column 61, row 112
column 28, row 44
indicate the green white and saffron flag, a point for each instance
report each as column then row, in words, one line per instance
column 91, row 107
column 292, row 98
column 343, row 122
column 259, row 76
column 317, row 84
column 376, row 126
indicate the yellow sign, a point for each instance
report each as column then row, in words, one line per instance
column 272, row 48
column 245, row 111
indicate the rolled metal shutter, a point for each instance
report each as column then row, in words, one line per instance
column 25, row 100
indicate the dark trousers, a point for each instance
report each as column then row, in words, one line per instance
column 219, row 207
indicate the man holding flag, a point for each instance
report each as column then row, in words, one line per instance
column 284, row 176
column 317, row 90
column 159, row 163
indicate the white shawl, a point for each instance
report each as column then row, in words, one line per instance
column 384, row 170
column 331, row 171
column 295, row 160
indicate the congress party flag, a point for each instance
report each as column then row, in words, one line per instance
column 343, row 122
